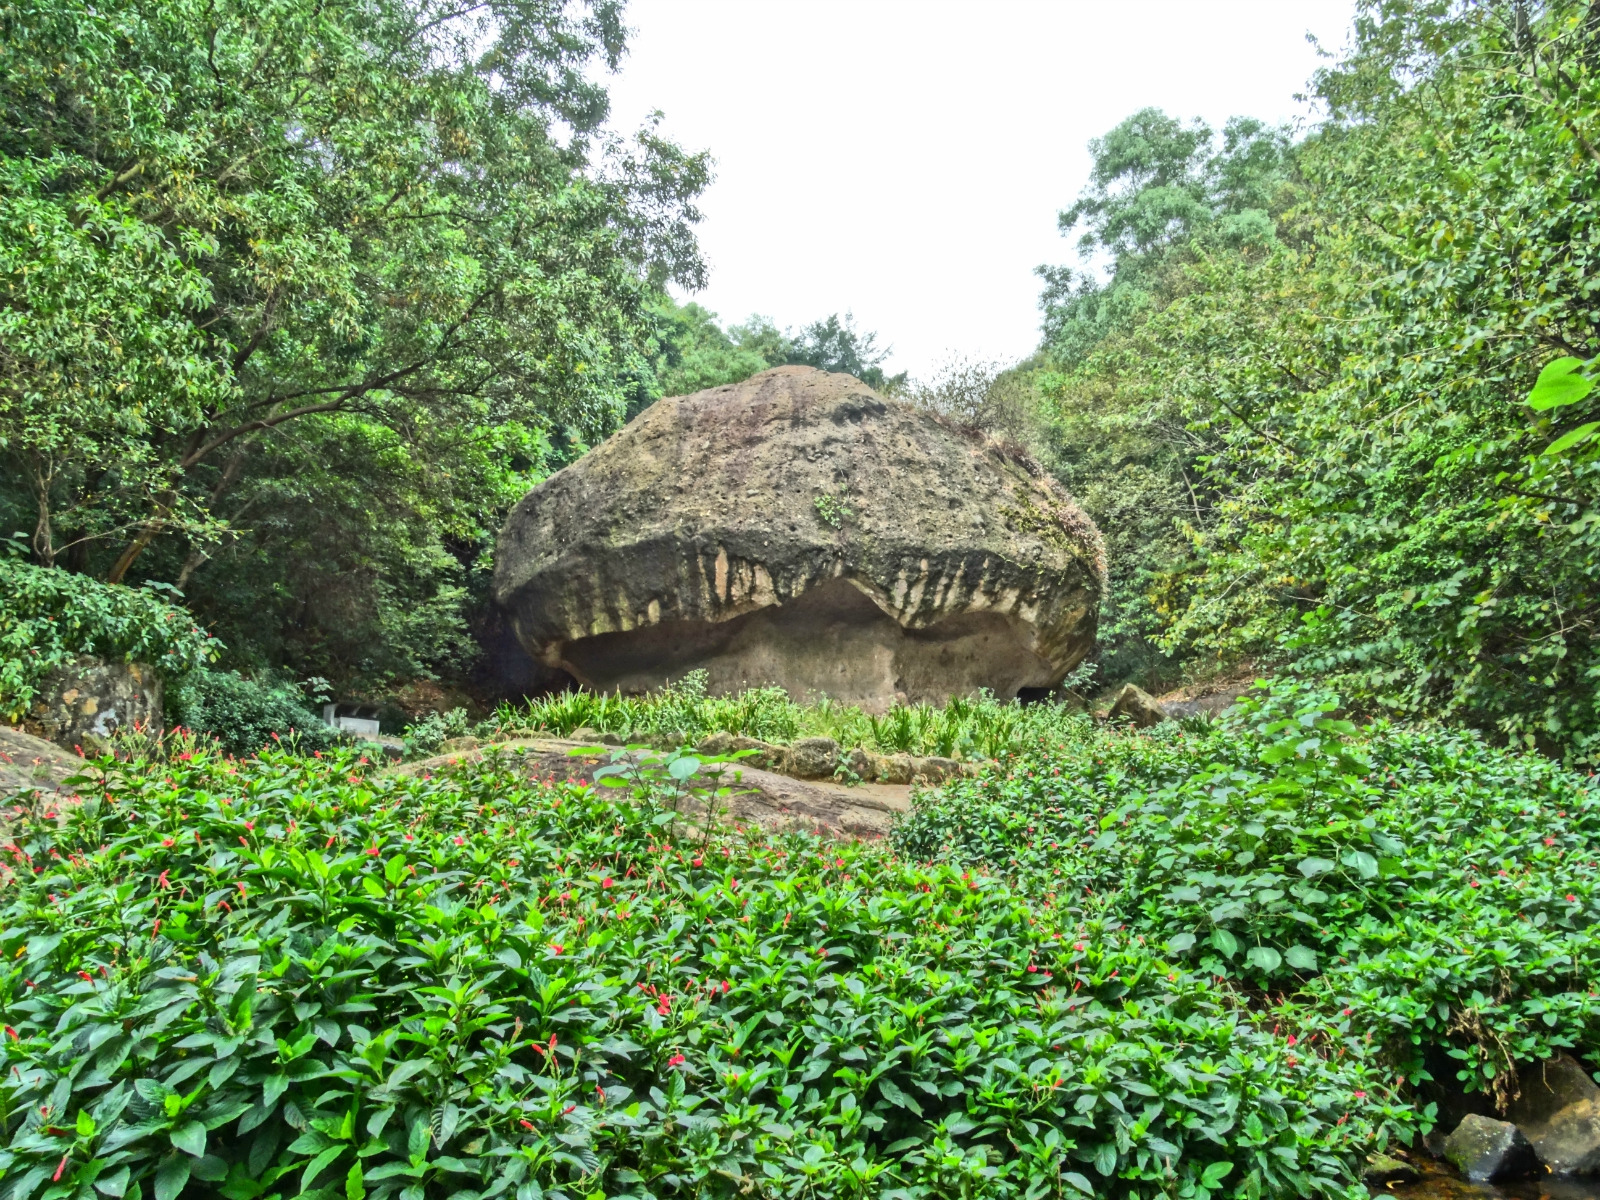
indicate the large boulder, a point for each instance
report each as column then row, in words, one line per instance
column 798, row 529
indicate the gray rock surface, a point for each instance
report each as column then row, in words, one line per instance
column 813, row 758
column 1137, row 706
column 29, row 763
column 1559, row 1112
column 1490, row 1151
column 84, row 703
column 799, row 529
column 1383, row 1169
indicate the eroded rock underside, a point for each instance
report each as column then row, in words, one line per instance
column 798, row 529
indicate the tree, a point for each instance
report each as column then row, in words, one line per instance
column 1390, row 518
column 1156, row 187
column 835, row 344
column 221, row 221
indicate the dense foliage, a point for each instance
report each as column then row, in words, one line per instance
column 1418, row 887
column 243, row 714
column 296, row 296
column 49, row 618
column 293, row 973
column 1311, row 442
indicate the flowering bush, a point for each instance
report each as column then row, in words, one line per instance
column 1424, row 886
column 290, row 975
column 48, row 617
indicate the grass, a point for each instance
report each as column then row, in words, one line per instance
column 683, row 713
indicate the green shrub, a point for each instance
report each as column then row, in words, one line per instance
column 246, row 715
column 48, row 617
column 1417, row 885
column 287, row 974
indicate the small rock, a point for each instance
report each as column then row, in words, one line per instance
column 586, row 734
column 935, row 770
column 813, row 758
column 1136, row 706
column 859, row 763
column 1382, row 1170
column 892, row 768
column 716, row 745
column 456, row 745
column 1490, row 1151
column 767, row 757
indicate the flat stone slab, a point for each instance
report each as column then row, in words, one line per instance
column 775, row 802
column 31, row 763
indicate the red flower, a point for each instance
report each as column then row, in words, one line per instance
column 372, row 851
column 675, row 1061
column 13, row 1034
column 60, row 1167
column 1549, row 841
column 459, row 840
column 1359, row 1095
column 695, row 863
column 556, row 947
column 606, row 882
column 526, row 1124
column 1571, row 899
column 85, row 975
column 250, row 825
column 166, row 841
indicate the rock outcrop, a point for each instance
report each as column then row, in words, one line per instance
column 801, row 530
column 1136, row 706
column 85, row 702
column 1490, row 1151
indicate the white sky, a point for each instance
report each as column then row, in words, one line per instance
column 905, row 159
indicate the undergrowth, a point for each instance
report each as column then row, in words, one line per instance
column 1422, row 886
column 290, row 975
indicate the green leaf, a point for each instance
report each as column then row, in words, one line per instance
column 1559, row 384
column 373, row 887
column 172, row 1176
column 892, row 1093
column 1214, row 1174
column 1264, row 957
column 1301, row 958
column 1312, row 867
column 1572, row 438
column 318, row 1165
column 1224, row 941
column 354, row 1188
column 112, row 1183
column 1180, row 943
column 190, row 1137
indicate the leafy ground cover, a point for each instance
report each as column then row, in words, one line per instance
column 683, row 712
column 289, row 975
column 1418, row 887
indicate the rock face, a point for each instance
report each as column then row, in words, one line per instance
column 1135, row 705
column 1559, row 1111
column 85, row 703
column 799, row 529
column 1490, row 1151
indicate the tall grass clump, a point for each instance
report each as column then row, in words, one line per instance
column 684, row 713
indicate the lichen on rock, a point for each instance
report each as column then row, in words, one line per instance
column 799, row 529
